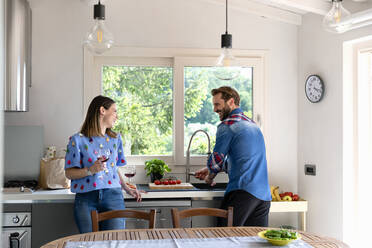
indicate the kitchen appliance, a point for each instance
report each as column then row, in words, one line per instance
column 17, row 186
column 17, row 54
column 16, row 229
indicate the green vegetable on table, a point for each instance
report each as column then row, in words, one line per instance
column 282, row 234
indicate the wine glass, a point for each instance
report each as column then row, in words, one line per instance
column 129, row 172
column 103, row 153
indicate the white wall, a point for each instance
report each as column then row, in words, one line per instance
column 320, row 125
column 59, row 27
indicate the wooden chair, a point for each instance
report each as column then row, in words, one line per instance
column 97, row 217
column 177, row 215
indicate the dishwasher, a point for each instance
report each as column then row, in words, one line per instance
column 163, row 212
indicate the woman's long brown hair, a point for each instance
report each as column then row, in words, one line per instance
column 91, row 126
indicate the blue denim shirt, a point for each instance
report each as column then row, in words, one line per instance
column 240, row 152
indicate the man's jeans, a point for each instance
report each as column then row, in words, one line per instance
column 101, row 200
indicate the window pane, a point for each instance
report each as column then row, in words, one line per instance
column 199, row 81
column 144, row 98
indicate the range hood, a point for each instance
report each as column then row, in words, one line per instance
column 17, row 55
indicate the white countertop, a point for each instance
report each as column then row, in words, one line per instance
column 66, row 194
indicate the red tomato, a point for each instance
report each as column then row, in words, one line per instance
column 157, row 182
column 165, row 182
column 178, row 181
column 173, row 182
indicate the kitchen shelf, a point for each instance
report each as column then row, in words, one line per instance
column 291, row 206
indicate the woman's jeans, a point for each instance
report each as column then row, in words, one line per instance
column 101, row 200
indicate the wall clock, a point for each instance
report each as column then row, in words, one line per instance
column 314, row 88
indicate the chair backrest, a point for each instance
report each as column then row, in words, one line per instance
column 97, row 217
column 177, row 215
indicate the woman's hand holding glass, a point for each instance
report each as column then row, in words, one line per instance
column 97, row 166
column 103, row 156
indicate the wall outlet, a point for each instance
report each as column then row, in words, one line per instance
column 310, row 169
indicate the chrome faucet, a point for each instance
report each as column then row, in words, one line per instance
column 188, row 153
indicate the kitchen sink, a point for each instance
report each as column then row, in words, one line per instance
column 197, row 187
column 204, row 186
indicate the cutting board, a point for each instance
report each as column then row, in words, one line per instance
column 173, row 186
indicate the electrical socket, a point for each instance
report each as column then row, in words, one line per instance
column 310, row 169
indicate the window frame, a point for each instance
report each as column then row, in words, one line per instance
column 177, row 59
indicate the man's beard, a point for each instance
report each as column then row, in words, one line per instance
column 225, row 112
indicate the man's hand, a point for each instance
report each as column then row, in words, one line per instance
column 202, row 173
column 209, row 179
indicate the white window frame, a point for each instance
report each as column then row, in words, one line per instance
column 178, row 58
column 351, row 135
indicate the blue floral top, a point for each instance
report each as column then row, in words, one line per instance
column 82, row 152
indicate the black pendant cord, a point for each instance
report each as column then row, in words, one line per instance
column 226, row 39
column 226, row 15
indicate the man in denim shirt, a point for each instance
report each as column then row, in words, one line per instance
column 240, row 152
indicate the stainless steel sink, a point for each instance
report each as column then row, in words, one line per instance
column 204, row 186
column 197, row 187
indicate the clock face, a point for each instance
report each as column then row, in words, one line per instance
column 314, row 88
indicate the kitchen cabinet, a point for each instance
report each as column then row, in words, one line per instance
column 51, row 221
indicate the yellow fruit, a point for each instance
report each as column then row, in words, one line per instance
column 272, row 193
column 287, row 198
column 276, row 193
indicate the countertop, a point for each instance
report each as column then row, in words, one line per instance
column 66, row 195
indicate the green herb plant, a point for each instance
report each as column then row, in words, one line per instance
column 156, row 166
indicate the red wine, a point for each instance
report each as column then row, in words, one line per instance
column 130, row 174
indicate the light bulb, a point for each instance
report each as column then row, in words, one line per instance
column 332, row 21
column 226, row 58
column 227, row 67
column 99, row 39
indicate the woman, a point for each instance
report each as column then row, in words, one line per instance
column 92, row 160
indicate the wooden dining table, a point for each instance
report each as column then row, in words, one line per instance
column 187, row 233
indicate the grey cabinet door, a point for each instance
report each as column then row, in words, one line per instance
column 205, row 221
column 52, row 221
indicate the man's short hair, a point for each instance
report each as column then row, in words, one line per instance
column 227, row 93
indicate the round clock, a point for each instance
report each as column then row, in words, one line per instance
column 314, row 88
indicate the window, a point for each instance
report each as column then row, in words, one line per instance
column 163, row 98
column 144, row 100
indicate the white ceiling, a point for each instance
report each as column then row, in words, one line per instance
column 289, row 11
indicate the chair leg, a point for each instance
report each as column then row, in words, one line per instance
column 152, row 218
column 175, row 218
column 94, row 215
column 230, row 216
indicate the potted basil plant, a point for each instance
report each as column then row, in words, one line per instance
column 156, row 168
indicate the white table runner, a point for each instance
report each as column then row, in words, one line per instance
column 230, row 242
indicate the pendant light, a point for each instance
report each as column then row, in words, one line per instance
column 99, row 39
column 333, row 20
column 227, row 66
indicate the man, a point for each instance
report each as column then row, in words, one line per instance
column 239, row 151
